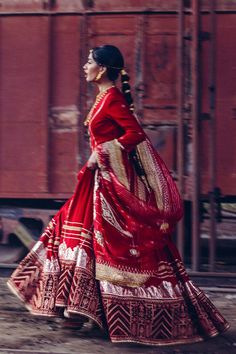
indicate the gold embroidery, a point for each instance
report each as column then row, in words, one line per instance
column 99, row 97
column 69, row 230
column 119, row 144
column 109, row 216
column 150, row 169
column 134, row 252
column 164, row 227
column 120, row 277
column 140, row 190
column 75, row 228
column 99, row 238
column 116, row 161
column 50, row 225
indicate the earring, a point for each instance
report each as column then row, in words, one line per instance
column 99, row 75
column 123, row 72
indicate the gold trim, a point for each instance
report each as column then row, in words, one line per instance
column 150, row 169
column 120, row 277
column 164, row 227
column 76, row 228
column 117, row 164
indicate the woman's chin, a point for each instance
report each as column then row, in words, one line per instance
column 88, row 79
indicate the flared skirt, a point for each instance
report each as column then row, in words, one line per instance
column 58, row 275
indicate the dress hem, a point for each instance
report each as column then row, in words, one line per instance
column 39, row 313
column 171, row 342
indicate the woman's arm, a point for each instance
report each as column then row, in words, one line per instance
column 133, row 132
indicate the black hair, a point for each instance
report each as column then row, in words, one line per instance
column 111, row 57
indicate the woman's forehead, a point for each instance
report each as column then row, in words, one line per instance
column 90, row 56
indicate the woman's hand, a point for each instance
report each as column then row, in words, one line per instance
column 92, row 161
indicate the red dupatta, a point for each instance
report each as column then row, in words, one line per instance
column 135, row 211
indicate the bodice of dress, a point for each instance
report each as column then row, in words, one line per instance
column 112, row 119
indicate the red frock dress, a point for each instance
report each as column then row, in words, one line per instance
column 108, row 255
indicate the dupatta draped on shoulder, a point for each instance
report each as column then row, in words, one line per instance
column 136, row 207
column 107, row 254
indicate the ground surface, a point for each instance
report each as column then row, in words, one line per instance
column 23, row 333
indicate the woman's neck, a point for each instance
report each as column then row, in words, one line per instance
column 103, row 86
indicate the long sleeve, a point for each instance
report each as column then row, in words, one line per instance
column 133, row 133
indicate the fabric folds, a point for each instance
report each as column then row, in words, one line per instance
column 108, row 255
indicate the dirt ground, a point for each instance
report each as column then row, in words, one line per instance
column 23, row 333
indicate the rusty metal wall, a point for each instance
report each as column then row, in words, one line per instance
column 44, row 98
column 39, row 104
column 24, row 95
column 181, row 58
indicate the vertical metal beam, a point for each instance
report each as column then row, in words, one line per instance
column 50, row 94
column 140, row 60
column 1, row 101
column 83, row 148
column 180, row 131
column 212, row 142
column 195, row 136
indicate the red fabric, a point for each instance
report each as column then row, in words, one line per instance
column 78, row 209
column 82, row 263
column 112, row 119
column 141, row 218
column 127, row 223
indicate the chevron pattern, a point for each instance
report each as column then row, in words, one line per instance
column 160, row 322
column 84, row 296
column 26, row 276
column 45, row 293
column 59, row 273
column 64, row 285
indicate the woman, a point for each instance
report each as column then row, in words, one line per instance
column 107, row 255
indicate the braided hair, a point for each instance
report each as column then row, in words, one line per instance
column 110, row 57
column 126, row 89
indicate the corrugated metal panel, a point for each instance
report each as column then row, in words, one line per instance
column 39, row 111
column 44, row 97
column 225, row 80
column 94, row 6
column 64, row 110
column 24, row 104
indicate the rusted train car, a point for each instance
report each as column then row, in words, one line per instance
column 181, row 57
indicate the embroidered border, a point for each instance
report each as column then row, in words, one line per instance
column 160, row 321
column 120, row 277
column 109, row 216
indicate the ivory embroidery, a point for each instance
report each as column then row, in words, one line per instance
column 99, row 238
column 109, row 216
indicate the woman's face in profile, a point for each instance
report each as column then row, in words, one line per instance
column 91, row 68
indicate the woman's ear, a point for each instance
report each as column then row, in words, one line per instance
column 103, row 69
column 101, row 72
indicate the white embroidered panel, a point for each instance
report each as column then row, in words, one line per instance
column 109, row 216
